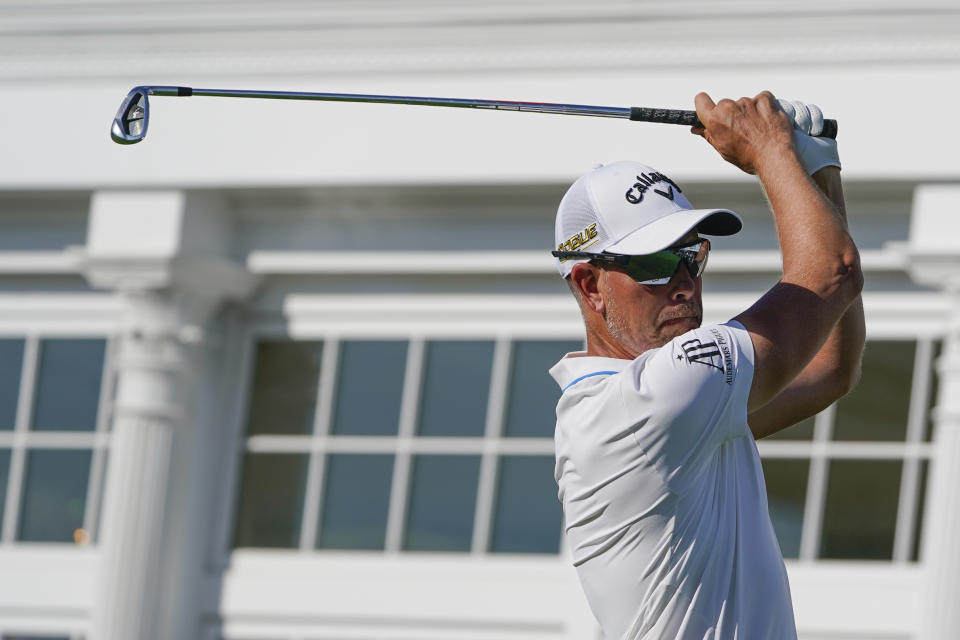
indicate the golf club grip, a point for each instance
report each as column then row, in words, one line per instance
column 689, row 118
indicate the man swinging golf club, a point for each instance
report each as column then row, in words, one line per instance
column 662, row 488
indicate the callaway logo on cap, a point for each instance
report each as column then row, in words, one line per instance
column 630, row 208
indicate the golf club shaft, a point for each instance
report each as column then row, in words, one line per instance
column 536, row 107
column 130, row 124
column 644, row 114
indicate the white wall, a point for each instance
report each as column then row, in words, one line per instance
column 886, row 71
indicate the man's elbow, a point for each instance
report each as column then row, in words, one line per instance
column 849, row 277
column 855, row 275
column 838, row 281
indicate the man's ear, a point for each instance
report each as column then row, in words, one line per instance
column 585, row 278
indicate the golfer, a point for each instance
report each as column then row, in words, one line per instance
column 662, row 489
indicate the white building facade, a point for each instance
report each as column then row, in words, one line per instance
column 278, row 372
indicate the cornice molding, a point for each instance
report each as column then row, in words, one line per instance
column 208, row 278
column 149, row 41
column 123, row 16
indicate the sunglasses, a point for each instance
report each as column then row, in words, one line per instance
column 653, row 268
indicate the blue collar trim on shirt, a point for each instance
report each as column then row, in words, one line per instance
column 589, row 375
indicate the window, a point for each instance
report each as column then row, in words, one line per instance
column 397, row 445
column 447, row 445
column 53, row 437
column 850, row 484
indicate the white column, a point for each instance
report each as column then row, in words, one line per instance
column 164, row 254
column 149, row 407
column 935, row 260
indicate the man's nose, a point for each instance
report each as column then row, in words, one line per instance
column 682, row 284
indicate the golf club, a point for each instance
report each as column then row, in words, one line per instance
column 130, row 124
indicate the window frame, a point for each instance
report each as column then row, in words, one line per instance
column 912, row 452
column 22, row 439
column 408, row 317
column 491, row 446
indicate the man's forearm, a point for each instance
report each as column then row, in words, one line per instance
column 817, row 250
column 843, row 348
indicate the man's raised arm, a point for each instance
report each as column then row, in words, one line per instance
column 791, row 323
column 835, row 370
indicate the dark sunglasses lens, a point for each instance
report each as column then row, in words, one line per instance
column 653, row 267
column 658, row 268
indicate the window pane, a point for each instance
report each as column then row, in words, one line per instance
column 4, row 476
column 786, row 496
column 284, row 387
column 11, row 362
column 533, row 394
column 55, row 494
column 455, row 388
column 877, row 408
column 68, row 385
column 442, row 503
column 271, row 500
column 23, row 637
column 370, row 388
column 357, row 501
column 803, row 430
column 527, row 516
column 861, row 509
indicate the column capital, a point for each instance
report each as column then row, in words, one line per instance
column 168, row 252
column 189, row 288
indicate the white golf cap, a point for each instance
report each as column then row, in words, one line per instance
column 630, row 208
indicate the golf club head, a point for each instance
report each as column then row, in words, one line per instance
column 130, row 123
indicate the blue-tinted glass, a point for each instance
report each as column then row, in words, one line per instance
column 528, row 516
column 11, row 362
column 23, row 637
column 442, row 503
column 68, row 384
column 356, row 502
column 271, row 500
column 786, row 496
column 456, row 386
column 4, row 477
column 533, row 396
column 860, row 514
column 54, row 495
column 878, row 406
column 369, row 388
column 284, row 387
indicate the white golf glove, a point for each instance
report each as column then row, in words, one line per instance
column 815, row 153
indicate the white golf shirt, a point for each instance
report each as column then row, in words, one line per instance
column 664, row 502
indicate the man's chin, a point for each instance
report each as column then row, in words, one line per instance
column 679, row 326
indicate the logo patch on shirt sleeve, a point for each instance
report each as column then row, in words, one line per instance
column 725, row 349
column 715, row 354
